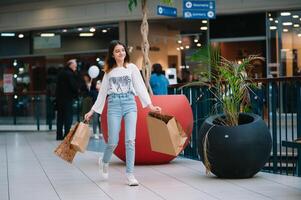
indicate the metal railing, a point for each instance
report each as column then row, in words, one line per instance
column 277, row 101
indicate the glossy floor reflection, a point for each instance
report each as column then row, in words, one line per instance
column 30, row 171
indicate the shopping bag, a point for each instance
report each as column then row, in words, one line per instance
column 166, row 134
column 64, row 150
column 81, row 137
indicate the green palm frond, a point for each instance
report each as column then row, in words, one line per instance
column 229, row 82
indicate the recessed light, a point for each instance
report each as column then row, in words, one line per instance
column 296, row 25
column 79, row 29
column 64, row 30
column 86, row 34
column 198, row 44
column 273, row 27
column 8, row 34
column 285, row 14
column 92, row 29
column 295, row 16
column 204, row 21
column 47, row 34
column 21, row 35
column 203, row 28
column 104, row 30
column 271, row 19
column 299, row 35
column 287, row 23
column 285, row 30
column 276, row 21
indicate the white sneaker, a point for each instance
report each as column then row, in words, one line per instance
column 96, row 136
column 103, row 169
column 131, row 180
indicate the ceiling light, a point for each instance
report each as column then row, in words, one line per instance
column 270, row 14
column 273, row 27
column 196, row 39
column 203, row 28
column 15, row 63
column 86, row 34
column 187, row 46
column 285, row 14
column 198, row 44
column 179, row 41
column 285, row 30
column 276, row 21
column 92, row 29
column 104, row 30
column 97, row 59
column 296, row 25
column 178, row 48
column 181, row 47
column 271, row 19
column 295, row 16
column 299, row 35
column 204, row 21
column 47, row 34
column 21, row 35
column 79, row 29
column 7, row 34
column 64, row 30
column 287, row 23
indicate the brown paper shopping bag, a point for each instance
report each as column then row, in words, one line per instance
column 165, row 133
column 81, row 137
column 64, row 150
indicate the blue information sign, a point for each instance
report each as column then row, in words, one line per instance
column 167, row 11
column 198, row 9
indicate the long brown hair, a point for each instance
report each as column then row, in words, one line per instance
column 110, row 62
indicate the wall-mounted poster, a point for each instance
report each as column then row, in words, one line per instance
column 8, row 83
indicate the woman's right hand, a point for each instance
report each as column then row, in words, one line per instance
column 89, row 115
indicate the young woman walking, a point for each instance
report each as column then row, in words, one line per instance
column 121, row 82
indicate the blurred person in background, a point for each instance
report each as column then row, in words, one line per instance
column 67, row 89
column 158, row 81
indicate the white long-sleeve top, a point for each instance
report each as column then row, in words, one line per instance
column 122, row 80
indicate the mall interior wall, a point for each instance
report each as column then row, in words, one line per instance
column 32, row 14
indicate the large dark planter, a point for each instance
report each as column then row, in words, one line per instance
column 236, row 152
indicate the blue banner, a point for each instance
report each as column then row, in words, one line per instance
column 198, row 9
column 203, row 5
column 166, row 11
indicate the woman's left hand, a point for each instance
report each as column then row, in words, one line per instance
column 155, row 108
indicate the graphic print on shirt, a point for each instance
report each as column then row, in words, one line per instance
column 122, row 84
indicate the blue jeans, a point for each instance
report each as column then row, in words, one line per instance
column 122, row 105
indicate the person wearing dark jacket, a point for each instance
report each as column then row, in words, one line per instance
column 67, row 89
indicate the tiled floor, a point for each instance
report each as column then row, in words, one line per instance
column 30, row 171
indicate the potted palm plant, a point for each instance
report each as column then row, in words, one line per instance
column 233, row 143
